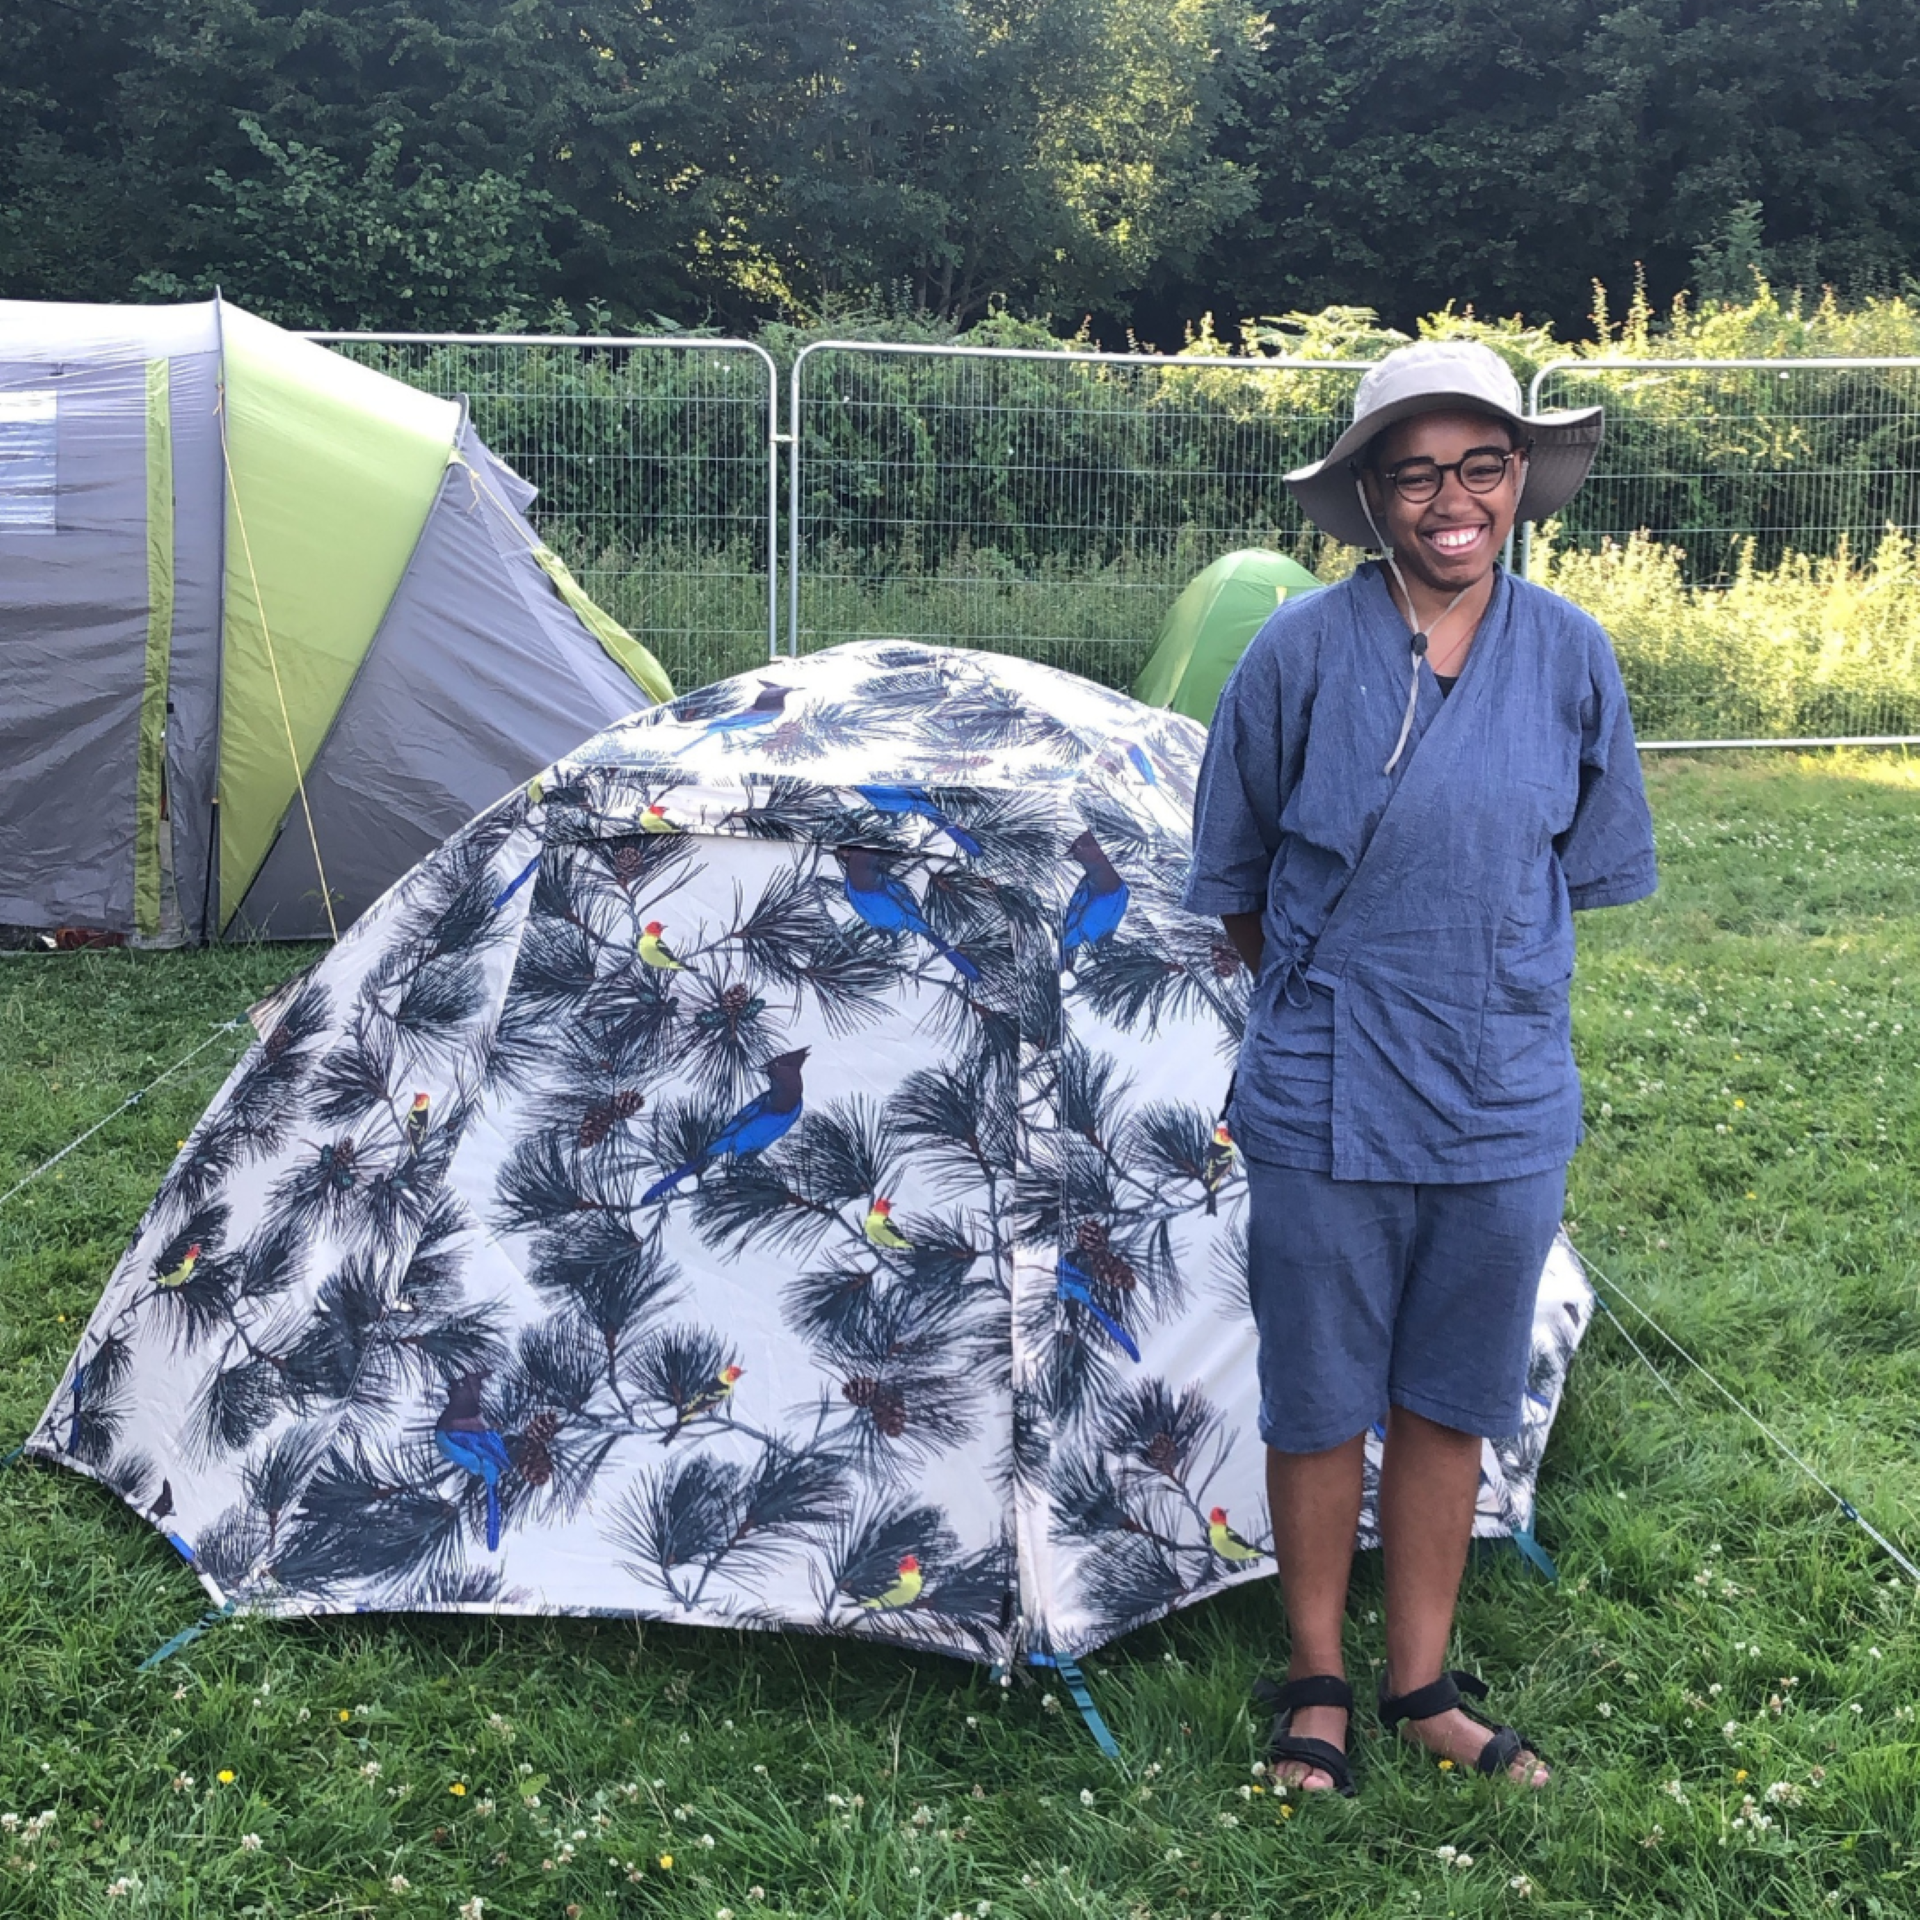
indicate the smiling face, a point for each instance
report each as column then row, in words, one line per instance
column 1452, row 540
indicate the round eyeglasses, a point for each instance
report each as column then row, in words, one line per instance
column 1481, row 469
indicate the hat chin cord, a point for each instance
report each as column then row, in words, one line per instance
column 1419, row 643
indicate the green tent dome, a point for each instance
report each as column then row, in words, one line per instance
column 1207, row 629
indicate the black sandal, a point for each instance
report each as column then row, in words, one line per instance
column 1441, row 1696
column 1312, row 1690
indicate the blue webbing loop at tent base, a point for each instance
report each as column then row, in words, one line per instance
column 1534, row 1553
column 186, row 1637
column 1076, row 1684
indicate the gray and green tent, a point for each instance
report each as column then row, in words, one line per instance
column 272, row 625
column 1207, row 629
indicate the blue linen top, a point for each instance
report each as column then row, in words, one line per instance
column 1410, row 1021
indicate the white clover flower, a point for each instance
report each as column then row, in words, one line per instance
column 1675, row 1791
column 1463, row 1861
column 249, row 1843
column 1604, row 1710
column 705, row 1840
column 399, row 1883
column 1229, row 1819
column 1521, row 1886
column 1447, row 1854
column 474, row 1909
column 1731, row 1729
column 1086, row 1796
column 1784, row 1793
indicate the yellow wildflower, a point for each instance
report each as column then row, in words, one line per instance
column 666, row 1863
column 1286, row 1812
column 225, row 1776
column 458, row 1789
column 1739, row 1773
column 1446, row 1766
column 345, row 1715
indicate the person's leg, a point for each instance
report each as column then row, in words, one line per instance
column 1324, row 1260
column 1429, row 1476
column 1462, row 1343
column 1314, row 1499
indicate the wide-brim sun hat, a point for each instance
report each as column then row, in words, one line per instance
column 1445, row 376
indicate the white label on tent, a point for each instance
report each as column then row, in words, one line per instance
column 28, row 463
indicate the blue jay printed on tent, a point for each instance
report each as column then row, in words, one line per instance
column 769, row 1172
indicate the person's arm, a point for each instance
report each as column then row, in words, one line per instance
column 1236, row 811
column 1243, row 929
column 1607, row 854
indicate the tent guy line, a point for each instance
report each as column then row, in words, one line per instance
column 1839, row 1499
column 273, row 661
column 132, row 1100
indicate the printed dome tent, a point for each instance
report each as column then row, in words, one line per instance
column 220, row 546
column 1209, row 627
column 765, row 1174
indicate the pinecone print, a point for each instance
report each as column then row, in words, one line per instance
column 629, row 862
column 1163, row 1454
column 337, row 1164
column 601, row 1120
column 1100, row 1261
column 885, row 1406
column 1226, row 960
column 279, row 1040
column 534, row 1457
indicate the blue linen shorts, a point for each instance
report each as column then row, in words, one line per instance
column 1370, row 1293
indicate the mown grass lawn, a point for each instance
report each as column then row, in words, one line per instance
column 1726, row 1675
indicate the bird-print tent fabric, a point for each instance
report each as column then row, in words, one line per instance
column 766, row 1173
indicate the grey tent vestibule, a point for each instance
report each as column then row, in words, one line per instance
column 272, row 625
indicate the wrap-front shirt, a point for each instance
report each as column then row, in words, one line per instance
column 1411, row 1019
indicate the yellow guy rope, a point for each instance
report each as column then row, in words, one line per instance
column 279, row 693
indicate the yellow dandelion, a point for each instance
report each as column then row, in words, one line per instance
column 225, row 1776
column 1750, row 1194
column 1739, row 1103
column 1446, row 1766
column 1286, row 1813
column 666, row 1863
column 458, row 1789
column 345, row 1715
column 1739, row 1773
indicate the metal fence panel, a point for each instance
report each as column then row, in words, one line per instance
column 1043, row 504
column 1762, row 479
column 657, row 464
column 1725, row 457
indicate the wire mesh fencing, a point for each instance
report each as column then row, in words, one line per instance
column 1748, row 538
column 656, row 464
column 1043, row 504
